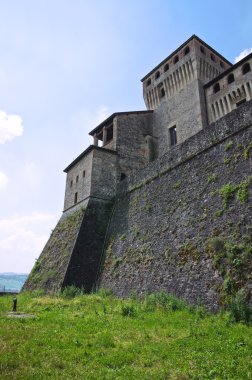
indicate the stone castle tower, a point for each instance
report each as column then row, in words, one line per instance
column 185, row 94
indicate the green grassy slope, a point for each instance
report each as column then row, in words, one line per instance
column 101, row 337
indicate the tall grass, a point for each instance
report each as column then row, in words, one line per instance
column 98, row 336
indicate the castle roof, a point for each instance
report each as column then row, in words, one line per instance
column 181, row 47
column 111, row 117
column 86, row 151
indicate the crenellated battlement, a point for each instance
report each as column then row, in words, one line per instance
column 229, row 90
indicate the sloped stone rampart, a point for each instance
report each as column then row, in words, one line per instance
column 49, row 270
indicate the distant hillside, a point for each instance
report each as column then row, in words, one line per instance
column 12, row 281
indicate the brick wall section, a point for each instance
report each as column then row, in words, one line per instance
column 159, row 235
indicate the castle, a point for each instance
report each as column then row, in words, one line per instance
column 117, row 227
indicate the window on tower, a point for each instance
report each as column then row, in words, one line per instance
column 173, row 135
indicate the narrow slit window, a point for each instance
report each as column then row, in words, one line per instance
column 77, row 179
column 173, row 135
column 83, row 173
column 75, row 198
column 71, row 183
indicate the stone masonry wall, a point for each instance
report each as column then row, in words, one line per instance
column 184, row 224
column 73, row 252
column 131, row 130
column 182, row 110
column 49, row 270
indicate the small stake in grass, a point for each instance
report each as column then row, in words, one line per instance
column 14, row 308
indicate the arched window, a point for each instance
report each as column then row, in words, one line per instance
column 230, row 78
column 221, row 64
column 187, row 50
column 176, row 59
column 166, row 67
column 162, row 92
column 148, row 82
column 246, row 68
column 202, row 49
column 216, row 87
column 157, row 75
column 212, row 57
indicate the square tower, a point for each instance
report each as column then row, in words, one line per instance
column 175, row 91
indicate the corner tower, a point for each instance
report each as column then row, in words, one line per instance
column 174, row 90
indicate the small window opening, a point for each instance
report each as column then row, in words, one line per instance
column 123, row 176
column 157, row 75
column 216, row 87
column 245, row 68
column 187, row 50
column 176, row 59
column 83, row 173
column 166, row 67
column 75, row 198
column 100, row 138
column 162, row 92
column 148, row 82
column 230, row 78
column 202, row 49
column 238, row 104
column 77, row 179
column 221, row 64
column 109, row 133
column 71, row 183
column 212, row 57
column 173, row 135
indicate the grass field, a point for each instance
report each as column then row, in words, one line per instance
column 101, row 337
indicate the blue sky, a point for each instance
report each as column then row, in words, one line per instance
column 67, row 65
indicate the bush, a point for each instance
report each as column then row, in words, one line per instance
column 239, row 308
column 164, row 300
column 71, row 291
column 128, row 311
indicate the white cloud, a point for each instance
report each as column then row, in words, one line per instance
column 3, row 180
column 22, row 239
column 10, row 127
column 242, row 54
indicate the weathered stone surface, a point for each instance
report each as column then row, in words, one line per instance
column 165, row 218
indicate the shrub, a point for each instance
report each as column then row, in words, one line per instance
column 128, row 311
column 239, row 308
column 71, row 291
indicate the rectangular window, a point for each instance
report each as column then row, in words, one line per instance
column 173, row 135
column 75, row 198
